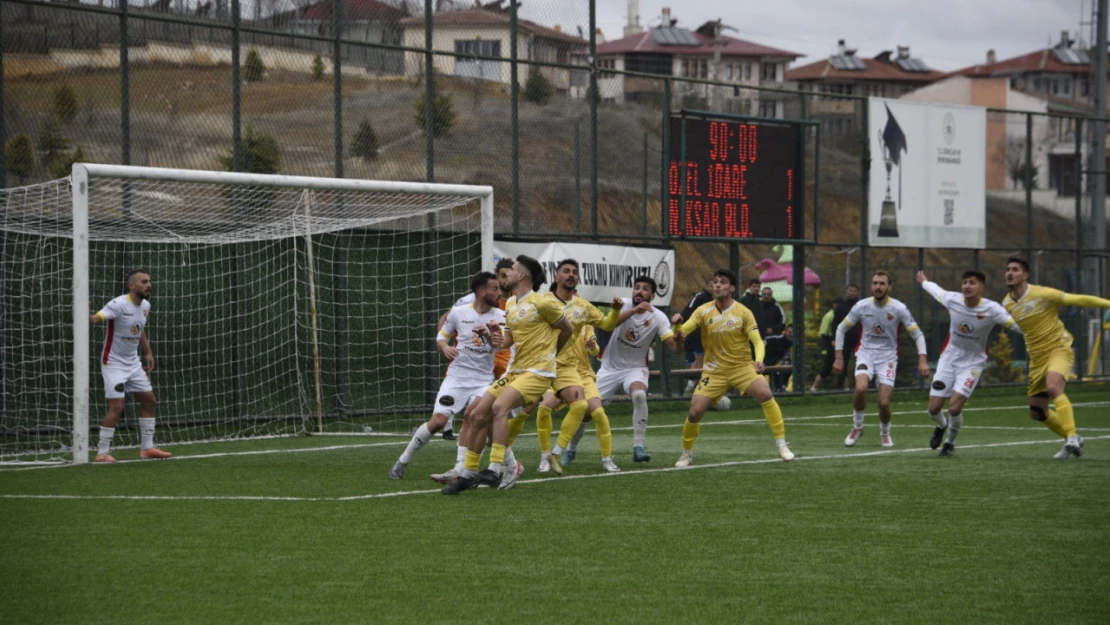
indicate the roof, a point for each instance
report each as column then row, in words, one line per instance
column 646, row 43
column 482, row 17
column 874, row 69
column 1043, row 60
column 360, row 10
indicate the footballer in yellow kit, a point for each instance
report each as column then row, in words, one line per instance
column 727, row 328
column 1035, row 309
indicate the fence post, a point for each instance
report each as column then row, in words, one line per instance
column 664, row 170
column 1079, row 343
column 577, row 179
column 3, row 129
column 643, row 189
column 865, row 176
column 798, row 306
column 430, row 313
column 236, row 278
column 1029, row 187
column 595, row 97
column 339, row 288
column 429, row 96
column 514, row 107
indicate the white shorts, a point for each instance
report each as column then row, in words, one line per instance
column 454, row 395
column 953, row 376
column 881, row 372
column 119, row 381
column 609, row 380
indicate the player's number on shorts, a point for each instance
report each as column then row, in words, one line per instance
column 704, row 382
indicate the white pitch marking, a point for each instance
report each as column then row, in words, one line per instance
column 548, row 480
column 618, row 429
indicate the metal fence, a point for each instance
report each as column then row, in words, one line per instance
column 574, row 147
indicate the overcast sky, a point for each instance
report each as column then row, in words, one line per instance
column 946, row 34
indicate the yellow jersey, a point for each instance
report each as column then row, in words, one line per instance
column 1037, row 313
column 531, row 320
column 581, row 314
column 724, row 334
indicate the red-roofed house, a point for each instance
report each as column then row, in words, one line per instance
column 362, row 20
column 704, row 53
column 485, row 32
column 888, row 75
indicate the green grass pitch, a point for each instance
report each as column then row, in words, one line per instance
column 310, row 530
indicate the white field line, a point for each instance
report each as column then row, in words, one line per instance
column 544, row 480
column 705, row 422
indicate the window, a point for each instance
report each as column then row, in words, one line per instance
column 1037, row 83
column 747, row 71
column 685, row 67
column 767, row 108
column 1085, row 86
column 477, row 47
column 704, row 67
column 730, row 71
column 769, row 72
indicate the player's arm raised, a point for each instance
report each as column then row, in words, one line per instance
column 932, row 288
column 1086, row 301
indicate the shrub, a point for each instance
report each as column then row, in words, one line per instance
column 19, row 157
column 52, row 143
column 365, row 143
column 318, row 68
column 64, row 104
column 63, row 165
column 443, row 114
column 537, row 88
column 1001, row 367
column 253, row 67
column 259, row 154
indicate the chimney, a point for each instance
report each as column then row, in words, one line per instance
column 903, row 52
column 600, row 36
column 666, row 17
column 840, row 47
column 992, row 58
column 1064, row 41
column 558, row 28
column 633, row 25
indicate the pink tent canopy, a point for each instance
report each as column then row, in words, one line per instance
column 774, row 272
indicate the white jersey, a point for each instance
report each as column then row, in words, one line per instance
column 126, row 321
column 475, row 360
column 465, row 300
column 970, row 326
column 628, row 347
column 879, row 326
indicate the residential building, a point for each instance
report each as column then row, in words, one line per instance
column 484, row 32
column 704, row 53
column 890, row 74
column 367, row 21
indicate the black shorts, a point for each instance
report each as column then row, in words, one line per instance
column 828, row 355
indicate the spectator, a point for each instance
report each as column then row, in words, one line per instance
column 851, row 339
column 751, row 301
column 771, row 319
column 695, row 352
column 827, row 337
column 778, row 352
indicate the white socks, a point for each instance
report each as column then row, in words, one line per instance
column 510, row 459
column 639, row 418
column 857, row 418
column 419, row 439
column 146, row 432
column 955, row 422
column 884, row 429
column 106, row 436
column 450, row 424
column 940, row 419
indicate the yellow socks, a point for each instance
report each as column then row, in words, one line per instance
column 516, row 426
column 773, row 414
column 473, row 460
column 1056, row 424
column 496, row 454
column 571, row 422
column 604, row 434
column 690, row 434
column 1067, row 415
column 543, row 428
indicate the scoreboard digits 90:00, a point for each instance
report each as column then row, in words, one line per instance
column 739, row 179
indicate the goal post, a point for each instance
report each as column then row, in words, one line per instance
column 230, row 322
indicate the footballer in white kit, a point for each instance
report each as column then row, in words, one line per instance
column 624, row 363
column 964, row 355
column 472, row 359
column 121, row 368
column 881, row 318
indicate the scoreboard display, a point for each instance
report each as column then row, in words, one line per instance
column 738, row 179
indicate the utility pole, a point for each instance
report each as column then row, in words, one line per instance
column 1095, row 267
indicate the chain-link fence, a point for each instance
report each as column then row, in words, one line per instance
column 574, row 146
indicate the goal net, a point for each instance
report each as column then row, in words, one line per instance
column 280, row 305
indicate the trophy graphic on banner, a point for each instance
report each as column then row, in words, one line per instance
column 892, row 141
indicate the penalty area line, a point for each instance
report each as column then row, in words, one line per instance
column 532, row 481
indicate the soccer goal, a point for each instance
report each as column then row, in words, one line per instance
column 280, row 305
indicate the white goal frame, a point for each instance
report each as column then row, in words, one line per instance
column 83, row 172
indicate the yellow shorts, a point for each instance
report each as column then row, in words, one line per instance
column 591, row 389
column 564, row 377
column 530, row 386
column 1060, row 360
column 716, row 384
